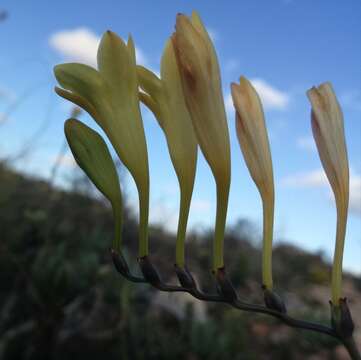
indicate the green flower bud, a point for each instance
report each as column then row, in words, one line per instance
column 92, row 155
column 110, row 96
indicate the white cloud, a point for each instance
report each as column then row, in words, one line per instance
column 317, row 178
column 355, row 193
column 351, row 100
column 164, row 215
column 228, row 102
column 313, row 178
column 271, row 97
column 306, row 143
column 81, row 44
column 201, row 206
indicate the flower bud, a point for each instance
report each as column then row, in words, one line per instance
column 110, row 96
column 165, row 99
column 92, row 155
column 328, row 132
column 201, row 82
column 253, row 140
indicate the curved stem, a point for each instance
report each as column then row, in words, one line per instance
column 182, row 226
column 221, row 215
column 193, row 290
column 143, row 221
column 268, row 215
column 338, row 255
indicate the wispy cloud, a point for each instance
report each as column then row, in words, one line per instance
column 306, row 143
column 271, row 97
column 81, row 44
column 317, row 179
column 355, row 193
column 228, row 103
column 313, row 178
column 351, row 100
column 201, row 206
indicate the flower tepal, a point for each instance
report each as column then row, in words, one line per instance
column 200, row 75
column 253, row 140
column 92, row 155
column 166, row 100
column 110, row 96
column 328, row 132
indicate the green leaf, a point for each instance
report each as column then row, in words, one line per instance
column 92, row 155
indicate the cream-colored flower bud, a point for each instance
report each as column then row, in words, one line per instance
column 110, row 96
column 253, row 140
column 92, row 155
column 328, row 132
column 200, row 76
column 165, row 99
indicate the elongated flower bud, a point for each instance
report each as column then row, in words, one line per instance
column 165, row 98
column 92, row 155
column 253, row 140
column 328, row 132
column 110, row 96
column 200, row 76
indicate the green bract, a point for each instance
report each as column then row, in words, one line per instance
column 110, row 96
column 92, row 155
column 165, row 98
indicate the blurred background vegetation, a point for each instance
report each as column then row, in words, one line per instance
column 60, row 297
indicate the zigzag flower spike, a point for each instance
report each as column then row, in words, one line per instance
column 165, row 98
column 253, row 140
column 92, row 155
column 328, row 132
column 110, row 96
column 200, row 75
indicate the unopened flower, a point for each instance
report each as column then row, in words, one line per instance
column 253, row 140
column 110, row 96
column 200, row 75
column 165, row 98
column 92, row 155
column 328, row 131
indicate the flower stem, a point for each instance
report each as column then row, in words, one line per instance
column 268, row 216
column 143, row 222
column 222, row 204
column 182, row 227
column 118, row 224
column 338, row 255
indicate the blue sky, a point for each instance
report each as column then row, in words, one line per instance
column 284, row 46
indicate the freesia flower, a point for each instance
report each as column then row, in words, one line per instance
column 328, row 132
column 110, row 96
column 201, row 82
column 92, row 155
column 165, row 98
column 253, row 140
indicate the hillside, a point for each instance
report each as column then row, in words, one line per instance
column 60, row 297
